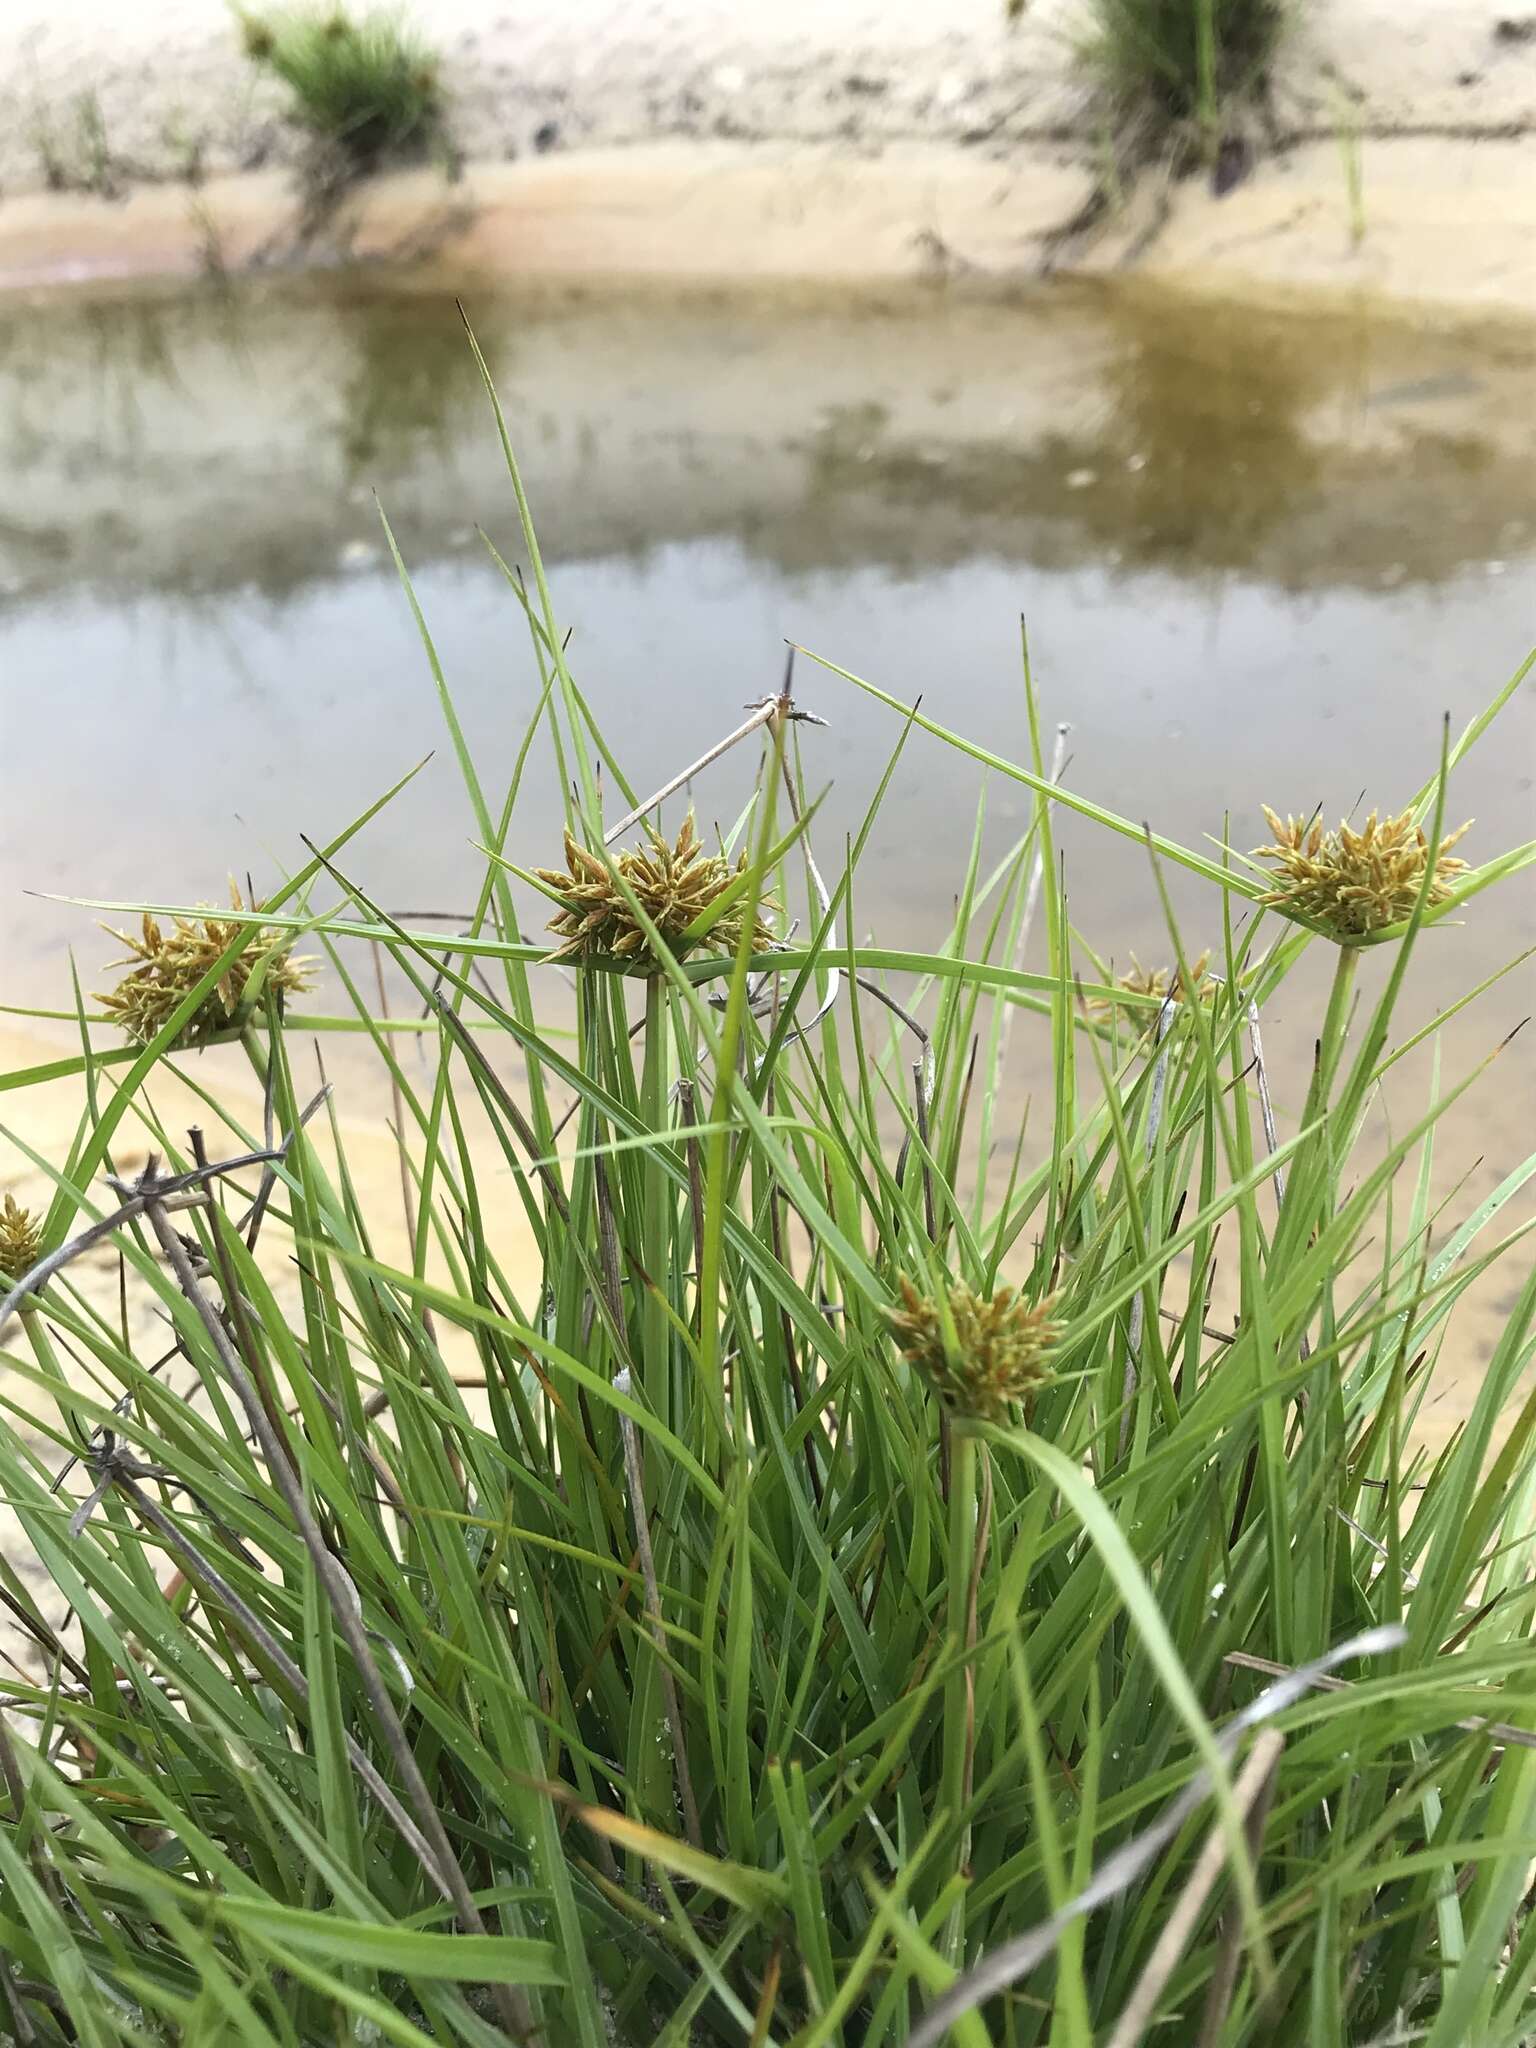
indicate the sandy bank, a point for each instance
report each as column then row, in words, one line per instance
column 172, row 91
column 1448, row 222
column 823, row 139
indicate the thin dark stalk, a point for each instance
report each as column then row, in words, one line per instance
column 250, row 1224
column 608, row 1243
column 930, row 1216
column 10, row 1773
column 181, row 1192
column 37, row 1854
column 42, row 1636
column 959, row 1692
column 787, row 1328
column 1474, row 1724
column 397, row 1103
column 22, row 2030
column 1229, row 1934
column 687, row 1103
column 761, row 714
column 636, row 1476
column 119, row 1407
column 923, row 1075
column 972, row 1600
column 375, row 1463
column 1266, row 1104
column 1138, row 1306
column 237, row 1317
column 774, row 711
column 45, row 1994
column 522, row 1129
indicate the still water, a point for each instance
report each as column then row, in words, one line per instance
column 1260, row 557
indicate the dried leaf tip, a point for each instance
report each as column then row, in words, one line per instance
column 1001, row 1352
column 1354, row 882
column 674, row 881
column 165, row 966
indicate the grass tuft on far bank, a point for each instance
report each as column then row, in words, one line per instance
column 1182, row 63
column 366, row 85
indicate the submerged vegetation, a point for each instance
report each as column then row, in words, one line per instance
column 365, row 85
column 853, row 1566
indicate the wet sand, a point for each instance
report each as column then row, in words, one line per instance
column 1449, row 223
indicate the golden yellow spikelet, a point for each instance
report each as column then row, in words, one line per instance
column 1002, row 1346
column 21, row 1241
column 1353, row 883
column 674, row 882
column 164, row 966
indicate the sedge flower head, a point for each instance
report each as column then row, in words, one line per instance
column 164, row 966
column 21, row 1240
column 673, row 881
column 1000, row 1354
column 1354, row 882
column 1160, row 984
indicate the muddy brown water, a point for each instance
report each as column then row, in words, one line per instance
column 1261, row 557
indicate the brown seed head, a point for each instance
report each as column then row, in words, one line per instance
column 1001, row 1350
column 674, row 883
column 1161, row 982
column 258, row 38
column 164, row 966
column 1355, row 882
column 21, row 1240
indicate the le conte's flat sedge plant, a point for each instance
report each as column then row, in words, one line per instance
column 855, row 1592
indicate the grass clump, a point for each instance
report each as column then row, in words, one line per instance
column 818, row 1581
column 78, row 158
column 364, row 85
column 1182, row 64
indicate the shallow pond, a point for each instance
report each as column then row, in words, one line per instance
column 1260, row 557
